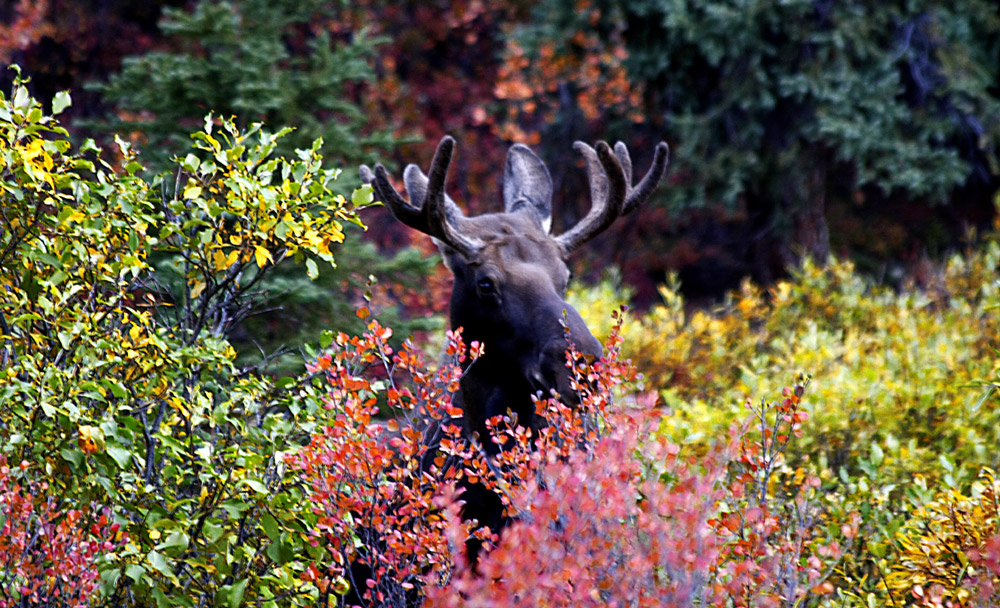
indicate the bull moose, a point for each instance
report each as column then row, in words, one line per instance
column 509, row 289
column 510, row 273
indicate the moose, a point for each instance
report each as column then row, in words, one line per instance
column 510, row 273
column 509, row 288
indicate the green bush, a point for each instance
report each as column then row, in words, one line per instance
column 119, row 385
column 297, row 64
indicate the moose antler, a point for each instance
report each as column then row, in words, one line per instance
column 611, row 190
column 428, row 210
column 642, row 191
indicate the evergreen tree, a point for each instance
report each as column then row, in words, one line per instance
column 281, row 62
column 778, row 108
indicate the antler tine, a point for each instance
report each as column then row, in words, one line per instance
column 608, row 188
column 622, row 153
column 642, row 191
column 430, row 214
column 386, row 192
column 439, row 168
column 435, row 204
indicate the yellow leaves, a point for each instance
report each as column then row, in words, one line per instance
column 243, row 214
column 175, row 402
column 262, row 256
column 222, row 261
column 211, row 141
column 192, row 191
column 197, row 289
column 34, row 154
column 37, row 162
column 335, row 235
column 880, row 361
column 75, row 216
column 781, row 292
column 312, row 239
column 936, row 544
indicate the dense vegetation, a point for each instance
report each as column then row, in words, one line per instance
column 207, row 397
column 163, row 473
column 902, row 404
column 796, row 125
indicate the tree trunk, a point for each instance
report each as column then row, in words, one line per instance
column 812, row 235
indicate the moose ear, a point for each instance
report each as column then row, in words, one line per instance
column 527, row 185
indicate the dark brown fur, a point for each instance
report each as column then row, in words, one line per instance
column 510, row 277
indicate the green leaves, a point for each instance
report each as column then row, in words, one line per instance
column 231, row 596
column 234, row 59
column 115, row 372
column 60, row 102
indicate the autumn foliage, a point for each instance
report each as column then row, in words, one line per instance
column 604, row 509
column 49, row 553
column 142, row 463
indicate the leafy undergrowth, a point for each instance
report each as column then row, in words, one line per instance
column 901, row 423
column 606, row 510
column 151, row 470
column 49, row 553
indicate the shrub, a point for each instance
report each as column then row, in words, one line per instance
column 605, row 508
column 635, row 519
column 372, row 483
column 888, row 368
column 947, row 552
column 121, row 384
column 49, row 552
column 895, row 417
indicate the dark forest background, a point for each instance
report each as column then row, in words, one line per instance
column 865, row 130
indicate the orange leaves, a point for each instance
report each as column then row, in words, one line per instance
column 585, row 537
column 513, row 90
column 605, row 509
column 90, row 439
column 534, row 82
column 49, row 551
column 363, row 474
column 379, row 486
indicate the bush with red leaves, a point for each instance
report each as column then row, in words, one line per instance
column 49, row 554
column 606, row 510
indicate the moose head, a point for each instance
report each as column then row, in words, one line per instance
column 510, row 273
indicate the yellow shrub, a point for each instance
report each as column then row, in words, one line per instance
column 933, row 566
column 892, row 369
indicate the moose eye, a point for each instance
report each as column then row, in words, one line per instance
column 486, row 286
